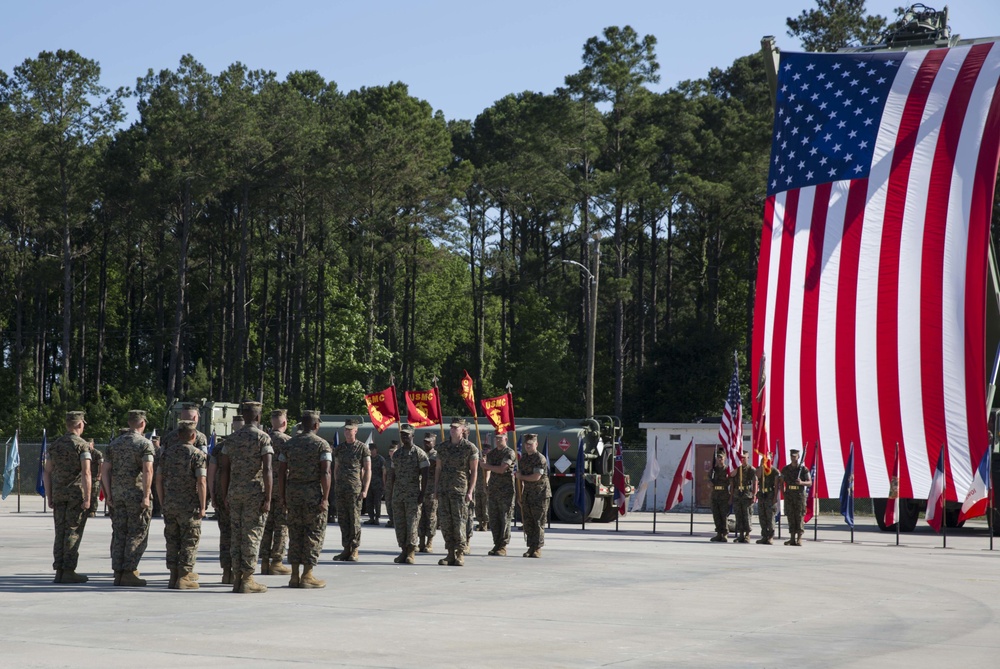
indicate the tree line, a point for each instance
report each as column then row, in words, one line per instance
column 248, row 236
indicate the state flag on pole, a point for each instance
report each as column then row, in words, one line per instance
column 685, row 472
column 731, row 427
column 760, row 443
column 978, row 498
column 40, row 481
column 382, row 408
column 871, row 277
column 469, row 393
column 811, row 495
column 892, row 504
column 500, row 412
column 847, row 490
column 936, row 497
column 10, row 468
column 423, row 407
column 621, row 498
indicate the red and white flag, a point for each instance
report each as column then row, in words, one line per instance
column 731, row 427
column 814, row 468
column 892, row 504
column 978, row 498
column 936, row 497
column 685, row 472
column 872, row 271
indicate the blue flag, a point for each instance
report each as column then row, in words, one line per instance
column 40, row 481
column 13, row 462
column 211, row 446
column 580, row 495
column 847, row 490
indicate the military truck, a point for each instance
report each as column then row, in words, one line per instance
column 213, row 416
column 560, row 437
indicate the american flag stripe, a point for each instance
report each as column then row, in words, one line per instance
column 871, row 290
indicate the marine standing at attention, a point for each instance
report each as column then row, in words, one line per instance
column 181, row 469
column 127, row 475
column 66, row 477
column 533, row 472
column 454, row 485
column 352, row 473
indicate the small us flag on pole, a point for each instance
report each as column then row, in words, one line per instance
column 731, row 429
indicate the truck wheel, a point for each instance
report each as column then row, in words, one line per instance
column 879, row 504
column 564, row 508
column 951, row 517
column 610, row 511
column 909, row 513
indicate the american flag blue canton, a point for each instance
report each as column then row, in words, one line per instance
column 828, row 112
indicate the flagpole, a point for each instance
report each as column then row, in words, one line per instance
column 897, row 507
column 944, row 503
column 440, row 413
column 991, row 516
column 17, row 471
column 691, row 529
column 655, row 503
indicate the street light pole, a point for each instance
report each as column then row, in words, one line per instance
column 592, row 320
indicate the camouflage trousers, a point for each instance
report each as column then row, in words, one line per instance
column 765, row 514
column 481, row 499
column 388, row 505
column 183, row 534
column 453, row 517
column 70, row 519
column 742, row 507
column 275, row 537
column 501, row 508
column 373, row 502
column 246, row 525
column 129, row 534
column 225, row 534
column 95, row 494
column 534, row 513
column 720, row 514
column 795, row 509
column 306, row 524
column 406, row 519
column 349, row 515
column 428, row 525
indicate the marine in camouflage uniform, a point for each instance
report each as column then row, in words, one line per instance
column 499, row 463
column 744, row 486
column 373, row 502
column 454, row 485
column 245, row 461
column 721, row 499
column 219, row 503
column 127, row 474
column 181, row 469
column 303, row 490
column 408, row 472
column 533, row 472
column 352, row 471
column 427, row 527
column 768, row 480
column 66, row 476
column 275, row 539
column 796, row 479
column 97, row 459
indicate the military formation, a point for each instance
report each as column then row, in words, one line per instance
column 272, row 493
column 745, row 485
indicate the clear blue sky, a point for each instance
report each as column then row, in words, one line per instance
column 459, row 56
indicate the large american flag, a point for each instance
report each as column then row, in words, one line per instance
column 870, row 303
column 731, row 428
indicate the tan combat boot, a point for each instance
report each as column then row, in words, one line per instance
column 448, row 560
column 342, row 555
column 536, row 553
column 310, row 581
column 294, row 581
column 251, row 586
column 130, row 579
column 172, row 584
column 352, row 556
column 118, row 576
column 185, row 582
column 70, row 576
column 422, row 547
column 279, row 569
column 459, row 558
column 399, row 559
column 430, row 545
column 411, row 552
column 237, row 581
column 58, row 578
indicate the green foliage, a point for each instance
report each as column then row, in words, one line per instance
column 834, row 24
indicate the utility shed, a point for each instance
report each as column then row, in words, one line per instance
column 666, row 443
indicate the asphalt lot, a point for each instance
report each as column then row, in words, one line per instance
column 596, row 598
